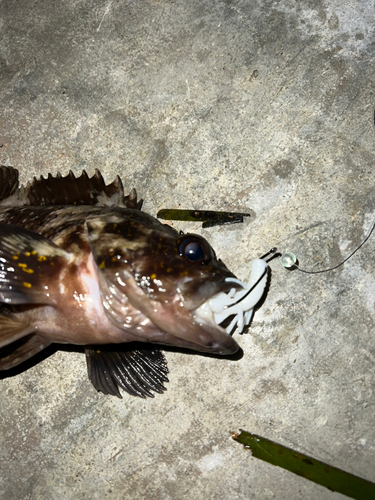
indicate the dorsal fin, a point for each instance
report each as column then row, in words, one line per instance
column 72, row 190
column 8, row 181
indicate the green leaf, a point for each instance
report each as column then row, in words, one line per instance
column 208, row 217
column 307, row 467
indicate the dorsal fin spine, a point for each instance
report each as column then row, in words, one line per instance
column 70, row 190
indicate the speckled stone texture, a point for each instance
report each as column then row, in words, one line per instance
column 221, row 105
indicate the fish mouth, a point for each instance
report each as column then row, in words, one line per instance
column 180, row 323
column 201, row 328
column 234, row 307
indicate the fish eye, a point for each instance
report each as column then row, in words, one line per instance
column 194, row 249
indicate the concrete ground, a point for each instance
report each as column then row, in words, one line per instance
column 235, row 104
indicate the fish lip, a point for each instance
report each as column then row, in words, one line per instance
column 232, row 346
column 214, row 339
column 221, row 343
column 213, row 347
column 219, row 350
column 209, row 336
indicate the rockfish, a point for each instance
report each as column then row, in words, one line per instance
column 81, row 264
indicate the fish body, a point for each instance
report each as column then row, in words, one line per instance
column 80, row 263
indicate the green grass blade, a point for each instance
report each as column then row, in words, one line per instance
column 307, row 467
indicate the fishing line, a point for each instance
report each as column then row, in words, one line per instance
column 290, row 261
column 254, row 286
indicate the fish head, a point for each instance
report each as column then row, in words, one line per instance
column 153, row 279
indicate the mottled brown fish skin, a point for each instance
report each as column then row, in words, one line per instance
column 111, row 274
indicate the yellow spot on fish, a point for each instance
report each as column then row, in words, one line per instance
column 34, row 252
column 102, row 264
column 169, row 270
column 153, row 276
column 15, row 257
column 27, row 254
column 27, row 285
column 98, row 351
column 184, row 273
column 24, row 268
column 114, row 227
column 41, row 258
column 162, row 265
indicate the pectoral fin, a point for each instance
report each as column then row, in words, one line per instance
column 12, row 330
column 21, row 350
column 28, row 261
column 137, row 372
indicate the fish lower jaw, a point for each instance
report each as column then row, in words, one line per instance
column 238, row 304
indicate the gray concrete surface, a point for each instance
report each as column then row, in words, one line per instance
column 237, row 104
